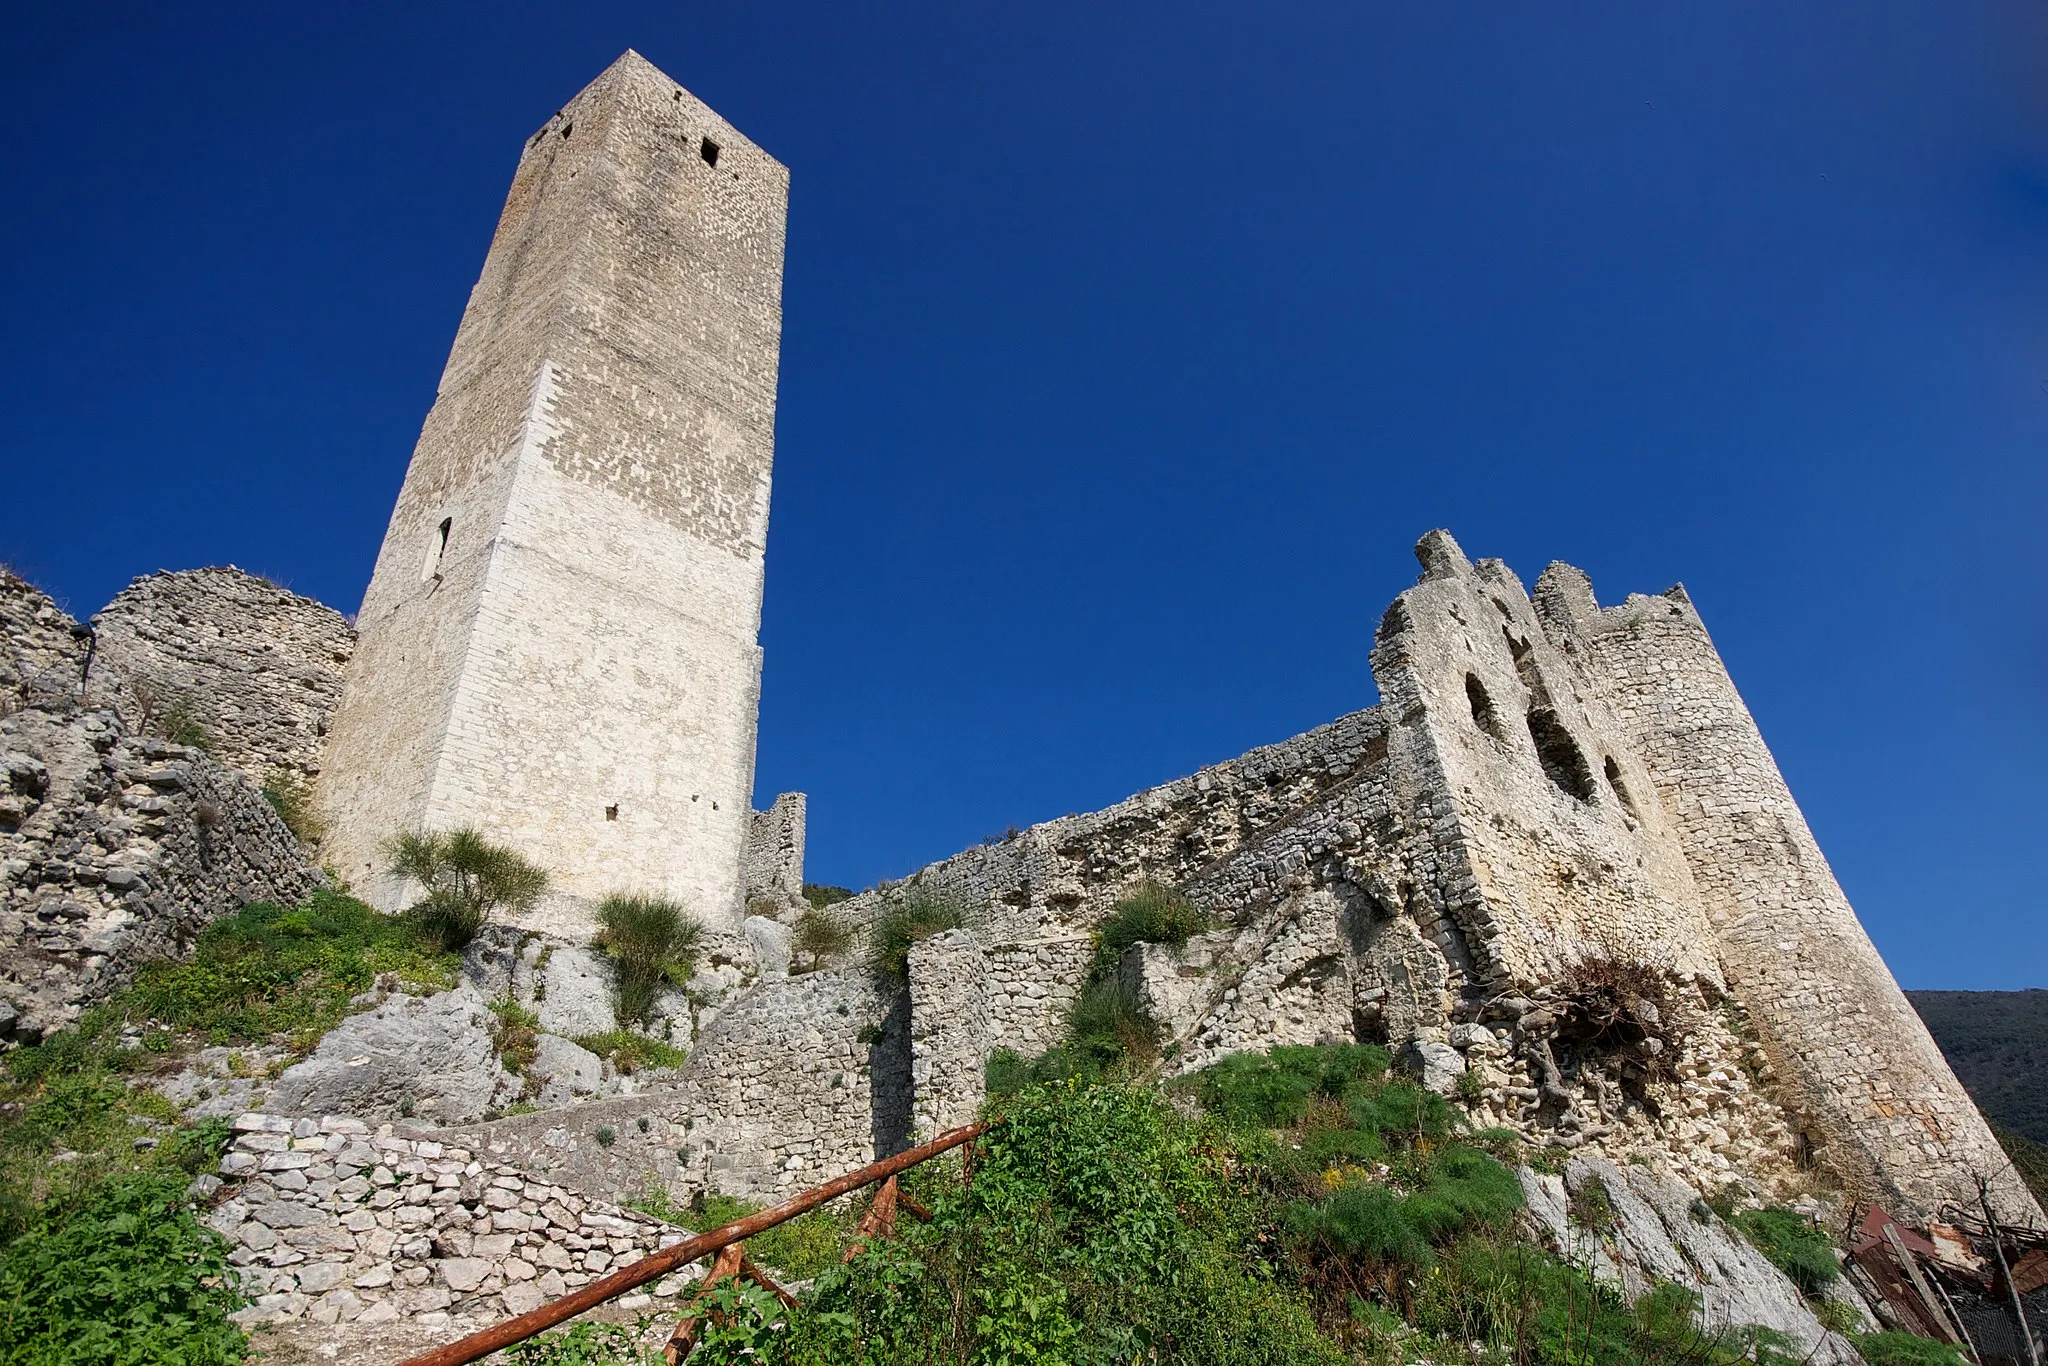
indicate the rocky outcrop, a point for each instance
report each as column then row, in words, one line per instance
column 1658, row 1230
column 336, row 1221
column 432, row 1056
column 256, row 667
column 117, row 849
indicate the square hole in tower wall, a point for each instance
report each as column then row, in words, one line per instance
column 708, row 149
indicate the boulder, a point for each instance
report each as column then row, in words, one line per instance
column 769, row 941
column 568, row 1071
column 1437, row 1065
column 432, row 1057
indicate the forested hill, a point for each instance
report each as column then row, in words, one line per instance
column 1997, row 1041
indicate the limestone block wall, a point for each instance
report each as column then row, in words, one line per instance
column 1879, row 1101
column 257, row 666
column 559, row 639
column 949, row 1031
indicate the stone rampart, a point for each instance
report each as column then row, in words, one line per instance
column 773, row 865
column 256, row 667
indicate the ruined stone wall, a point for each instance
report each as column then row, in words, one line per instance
column 774, row 862
column 42, row 652
column 335, row 1221
column 559, row 635
column 1871, row 1088
column 115, row 850
column 256, row 666
column 1489, row 872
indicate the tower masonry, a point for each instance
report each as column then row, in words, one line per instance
column 559, row 640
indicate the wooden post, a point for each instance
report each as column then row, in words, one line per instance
column 2019, row 1307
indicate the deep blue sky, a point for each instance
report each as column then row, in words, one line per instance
column 1128, row 349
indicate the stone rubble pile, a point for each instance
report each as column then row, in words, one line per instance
column 333, row 1221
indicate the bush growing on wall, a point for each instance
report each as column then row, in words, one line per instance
column 820, row 935
column 655, row 943
column 914, row 919
column 466, row 879
column 1152, row 914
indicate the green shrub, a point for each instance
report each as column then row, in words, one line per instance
column 1793, row 1245
column 1152, row 914
column 465, row 878
column 821, row 935
column 1906, row 1349
column 1107, row 1025
column 820, row 895
column 655, row 943
column 266, row 971
column 515, row 1034
column 917, row 917
column 1592, row 1207
column 126, row 1276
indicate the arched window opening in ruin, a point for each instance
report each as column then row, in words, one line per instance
column 1563, row 762
column 436, row 549
column 1483, row 713
column 1614, row 781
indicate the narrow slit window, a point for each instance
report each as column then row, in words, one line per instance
column 437, row 550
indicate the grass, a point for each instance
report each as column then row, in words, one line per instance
column 266, row 972
column 630, row 1052
column 1792, row 1244
column 265, row 975
column 821, row 895
column 655, row 943
column 466, row 880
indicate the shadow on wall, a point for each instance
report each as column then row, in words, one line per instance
column 889, row 1079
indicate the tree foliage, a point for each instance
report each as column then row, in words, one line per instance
column 465, row 880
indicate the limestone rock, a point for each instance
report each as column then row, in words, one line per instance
column 769, row 940
column 1661, row 1234
column 577, row 995
column 1437, row 1065
column 434, row 1052
column 569, row 1071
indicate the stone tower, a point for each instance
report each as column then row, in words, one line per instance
column 558, row 644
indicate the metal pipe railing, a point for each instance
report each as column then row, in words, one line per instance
column 498, row 1336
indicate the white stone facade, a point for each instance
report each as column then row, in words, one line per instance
column 559, row 639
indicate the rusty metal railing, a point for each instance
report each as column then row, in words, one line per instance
column 498, row 1336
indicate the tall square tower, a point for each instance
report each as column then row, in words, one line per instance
column 559, row 641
